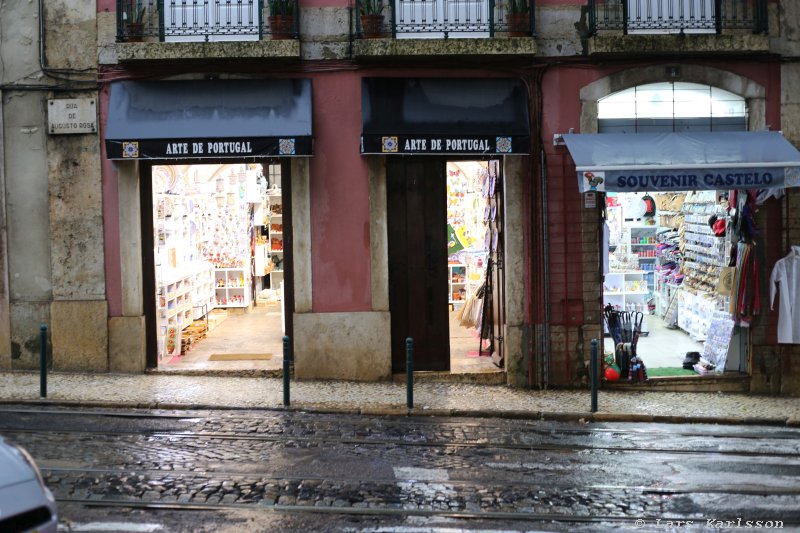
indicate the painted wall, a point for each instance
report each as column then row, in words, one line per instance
column 110, row 188
column 340, row 248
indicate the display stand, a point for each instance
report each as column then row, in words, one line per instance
column 704, row 256
column 274, row 247
column 643, row 244
column 457, row 283
column 718, row 340
column 232, row 286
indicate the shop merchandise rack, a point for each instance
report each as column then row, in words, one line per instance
column 274, row 245
column 704, row 254
column 627, row 291
column 643, row 244
column 232, row 286
column 457, row 283
column 184, row 295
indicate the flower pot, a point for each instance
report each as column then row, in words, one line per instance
column 372, row 26
column 519, row 24
column 280, row 26
column 134, row 32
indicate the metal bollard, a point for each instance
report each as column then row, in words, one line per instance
column 593, row 375
column 286, row 371
column 409, row 372
column 43, row 361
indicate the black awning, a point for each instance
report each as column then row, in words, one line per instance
column 631, row 162
column 444, row 116
column 209, row 119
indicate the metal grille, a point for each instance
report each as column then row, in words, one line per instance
column 677, row 16
column 450, row 18
column 200, row 20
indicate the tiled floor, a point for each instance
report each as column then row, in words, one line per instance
column 662, row 347
column 256, row 331
column 259, row 331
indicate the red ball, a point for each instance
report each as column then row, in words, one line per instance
column 612, row 373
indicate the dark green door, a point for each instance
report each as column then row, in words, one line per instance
column 417, row 230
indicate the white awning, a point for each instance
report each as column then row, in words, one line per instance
column 632, row 162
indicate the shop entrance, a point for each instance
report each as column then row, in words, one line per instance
column 666, row 290
column 445, row 263
column 220, row 285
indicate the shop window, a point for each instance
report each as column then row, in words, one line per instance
column 671, row 106
column 665, row 303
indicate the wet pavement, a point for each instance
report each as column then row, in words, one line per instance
column 433, row 398
column 603, row 476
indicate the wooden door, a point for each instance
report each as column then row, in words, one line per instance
column 496, row 253
column 417, row 230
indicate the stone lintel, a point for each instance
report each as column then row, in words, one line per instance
column 506, row 46
column 676, row 44
column 154, row 51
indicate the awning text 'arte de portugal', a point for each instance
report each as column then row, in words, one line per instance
column 640, row 162
column 429, row 116
column 209, row 119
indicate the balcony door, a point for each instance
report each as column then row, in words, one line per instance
column 671, row 16
column 211, row 20
column 436, row 19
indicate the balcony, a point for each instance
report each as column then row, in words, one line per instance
column 445, row 27
column 676, row 26
column 150, row 29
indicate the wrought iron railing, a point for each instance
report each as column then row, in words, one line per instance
column 677, row 16
column 206, row 20
column 444, row 18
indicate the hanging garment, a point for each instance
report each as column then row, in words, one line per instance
column 785, row 279
column 745, row 304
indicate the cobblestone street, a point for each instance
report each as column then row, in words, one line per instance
column 394, row 470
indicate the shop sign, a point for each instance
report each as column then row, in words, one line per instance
column 702, row 179
column 207, row 148
column 441, row 144
column 71, row 115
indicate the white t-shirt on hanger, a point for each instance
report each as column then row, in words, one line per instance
column 786, row 279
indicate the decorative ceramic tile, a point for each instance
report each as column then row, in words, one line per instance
column 389, row 145
column 503, row 145
column 286, row 146
column 130, row 149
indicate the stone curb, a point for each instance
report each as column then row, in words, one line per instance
column 403, row 411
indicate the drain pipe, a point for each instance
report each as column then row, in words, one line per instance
column 545, row 340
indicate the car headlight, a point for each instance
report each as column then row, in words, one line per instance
column 28, row 459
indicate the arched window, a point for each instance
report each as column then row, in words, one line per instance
column 671, row 106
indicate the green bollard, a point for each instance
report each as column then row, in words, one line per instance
column 593, row 375
column 410, row 372
column 286, row 371
column 43, row 361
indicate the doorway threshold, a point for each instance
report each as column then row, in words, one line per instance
column 219, row 372
column 728, row 382
column 497, row 377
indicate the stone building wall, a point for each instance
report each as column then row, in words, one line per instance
column 53, row 235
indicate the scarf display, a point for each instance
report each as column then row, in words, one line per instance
column 744, row 304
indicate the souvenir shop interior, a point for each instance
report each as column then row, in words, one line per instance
column 680, row 283
column 470, row 236
column 218, row 250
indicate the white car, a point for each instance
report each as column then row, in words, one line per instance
column 26, row 504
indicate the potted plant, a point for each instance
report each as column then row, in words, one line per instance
column 133, row 19
column 371, row 14
column 518, row 18
column 281, row 18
